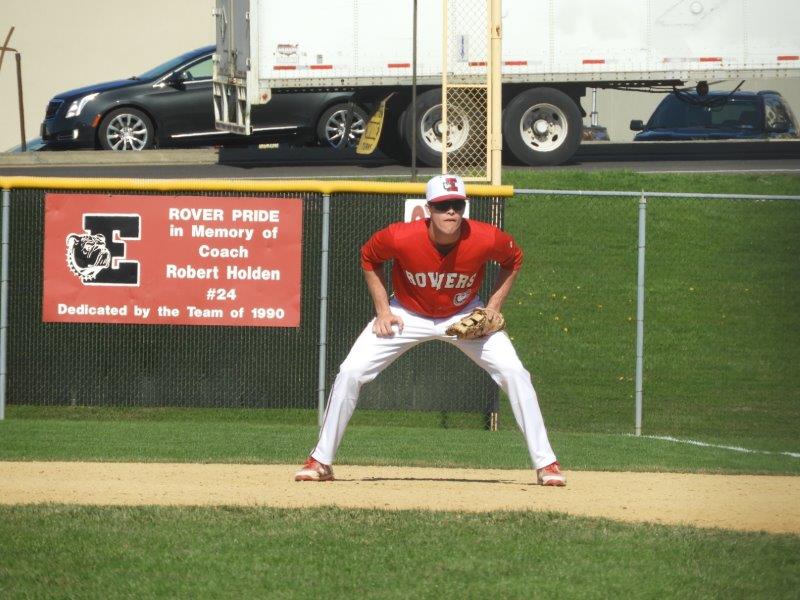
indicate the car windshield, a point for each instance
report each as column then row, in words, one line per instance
column 166, row 67
column 735, row 113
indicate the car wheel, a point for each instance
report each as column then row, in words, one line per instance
column 332, row 126
column 429, row 128
column 542, row 126
column 126, row 129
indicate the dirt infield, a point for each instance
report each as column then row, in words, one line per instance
column 741, row 502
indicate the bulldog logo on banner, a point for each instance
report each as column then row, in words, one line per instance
column 96, row 262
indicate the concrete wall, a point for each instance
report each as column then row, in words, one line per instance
column 66, row 45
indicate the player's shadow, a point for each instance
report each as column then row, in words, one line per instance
column 437, row 479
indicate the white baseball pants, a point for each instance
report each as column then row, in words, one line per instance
column 372, row 354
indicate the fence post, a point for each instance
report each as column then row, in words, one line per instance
column 4, row 301
column 414, row 95
column 323, row 305
column 640, row 313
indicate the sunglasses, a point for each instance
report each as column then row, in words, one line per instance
column 456, row 205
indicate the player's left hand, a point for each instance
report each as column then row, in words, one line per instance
column 477, row 324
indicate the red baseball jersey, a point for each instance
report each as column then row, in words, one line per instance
column 429, row 283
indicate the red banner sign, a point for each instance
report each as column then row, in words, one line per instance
column 187, row 260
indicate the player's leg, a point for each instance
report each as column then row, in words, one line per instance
column 496, row 354
column 367, row 358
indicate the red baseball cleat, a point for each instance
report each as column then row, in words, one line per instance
column 551, row 475
column 313, row 470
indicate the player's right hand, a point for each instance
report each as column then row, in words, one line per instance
column 382, row 327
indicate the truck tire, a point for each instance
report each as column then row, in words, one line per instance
column 392, row 143
column 542, row 126
column 429, row 132
column 126, row 129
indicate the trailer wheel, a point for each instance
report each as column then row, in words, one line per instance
column 332, row 125
column 542, row 126
column 429, row 128
column 392, row 143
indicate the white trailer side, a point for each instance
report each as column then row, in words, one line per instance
column 558, row 47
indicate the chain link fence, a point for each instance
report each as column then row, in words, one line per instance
column 719, row 318
column 466, row 103
column 99, row 364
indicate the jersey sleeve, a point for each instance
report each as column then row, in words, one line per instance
column 378, row 249
column 506, row 252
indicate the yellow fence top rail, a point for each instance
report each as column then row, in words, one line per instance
column 238, row 185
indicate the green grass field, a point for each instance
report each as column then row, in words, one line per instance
column 207, row 435
column 151, row 552
column 721, row 353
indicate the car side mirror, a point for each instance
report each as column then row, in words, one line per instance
column 176, row 78
column 637, row 125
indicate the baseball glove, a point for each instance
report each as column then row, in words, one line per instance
column 479, row 323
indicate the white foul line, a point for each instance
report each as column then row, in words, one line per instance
column 667, row 438
column 723, row 171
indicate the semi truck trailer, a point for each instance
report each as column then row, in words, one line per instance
column 552, row 51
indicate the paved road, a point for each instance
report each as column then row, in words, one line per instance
column 317, row 163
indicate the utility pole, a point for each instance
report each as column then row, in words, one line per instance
column 18, row 56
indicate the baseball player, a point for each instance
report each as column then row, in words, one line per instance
column 438, row 267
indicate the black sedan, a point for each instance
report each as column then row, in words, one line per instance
column 171, row 106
